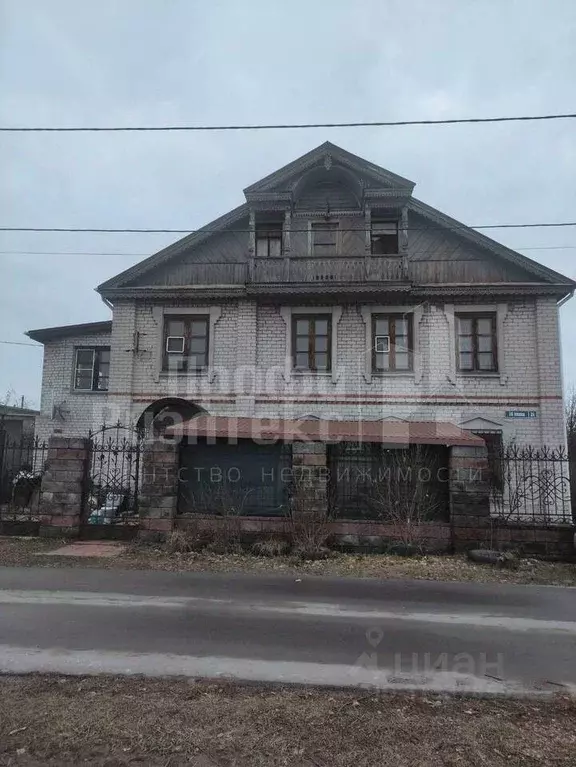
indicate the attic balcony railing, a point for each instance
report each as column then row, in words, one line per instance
column 312, row 269
column 292, row 270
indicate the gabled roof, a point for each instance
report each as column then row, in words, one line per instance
column 44, row 335
column 487, row 243
column 201, row 235
column 370, row 174
column 280, row 178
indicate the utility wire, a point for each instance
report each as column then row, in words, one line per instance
column 21, row 343
column 72, row 253
column 247, row 231
column 285, row 126
column 145, row 255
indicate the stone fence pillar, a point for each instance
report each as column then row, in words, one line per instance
column 159, row 489
column 309, row 465
column 63, row 486
column 469, row 496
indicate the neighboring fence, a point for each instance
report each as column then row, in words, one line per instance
column 530, row 486
column 21, row 467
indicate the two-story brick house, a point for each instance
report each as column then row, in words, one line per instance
column 330, row 292
column 332, row 305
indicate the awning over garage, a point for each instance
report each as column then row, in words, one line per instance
column 396, row 433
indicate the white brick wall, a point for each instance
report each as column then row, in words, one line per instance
column 249, row 372
column 63, row 410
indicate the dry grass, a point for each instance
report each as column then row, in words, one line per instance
column 23, row 552
column 52, row 720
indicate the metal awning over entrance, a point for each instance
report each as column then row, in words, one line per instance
column 394, row 433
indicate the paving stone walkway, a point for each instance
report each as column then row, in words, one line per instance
column 86, row 549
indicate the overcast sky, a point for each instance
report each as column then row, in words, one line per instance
column 154, row 62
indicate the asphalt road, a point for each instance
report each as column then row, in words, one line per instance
column 381, row 634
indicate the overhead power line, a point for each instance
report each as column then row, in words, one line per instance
column 246, row 231
column 21, row 343
column 283, row 126
column 145, row 255
column 70, row 253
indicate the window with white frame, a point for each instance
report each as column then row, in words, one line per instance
column 92, row 368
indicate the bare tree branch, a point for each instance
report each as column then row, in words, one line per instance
column 571, row 419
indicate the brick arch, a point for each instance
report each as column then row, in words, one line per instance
column 167, row 411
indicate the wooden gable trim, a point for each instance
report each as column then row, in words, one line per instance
column 486, row 243
column 314, row 157
column 217, row 226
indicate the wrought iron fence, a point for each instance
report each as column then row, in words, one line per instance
column 22, row 465
column 530, row 485
column 113, row 478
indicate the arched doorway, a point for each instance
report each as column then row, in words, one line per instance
column 166, row 412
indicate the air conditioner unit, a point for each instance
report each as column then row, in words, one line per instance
column 382, row 344
column 175, row 344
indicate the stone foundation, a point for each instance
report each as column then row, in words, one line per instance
column 434, row 537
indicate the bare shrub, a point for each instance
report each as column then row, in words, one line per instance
column 270, row 547
column 179, row 542
column 309, row 527
column 310, row 534
column 571, row 419
column 225, row 504
column 571, row 439
column 404, row 495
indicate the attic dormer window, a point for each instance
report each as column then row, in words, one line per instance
column 384, row 237
column 269, row 240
